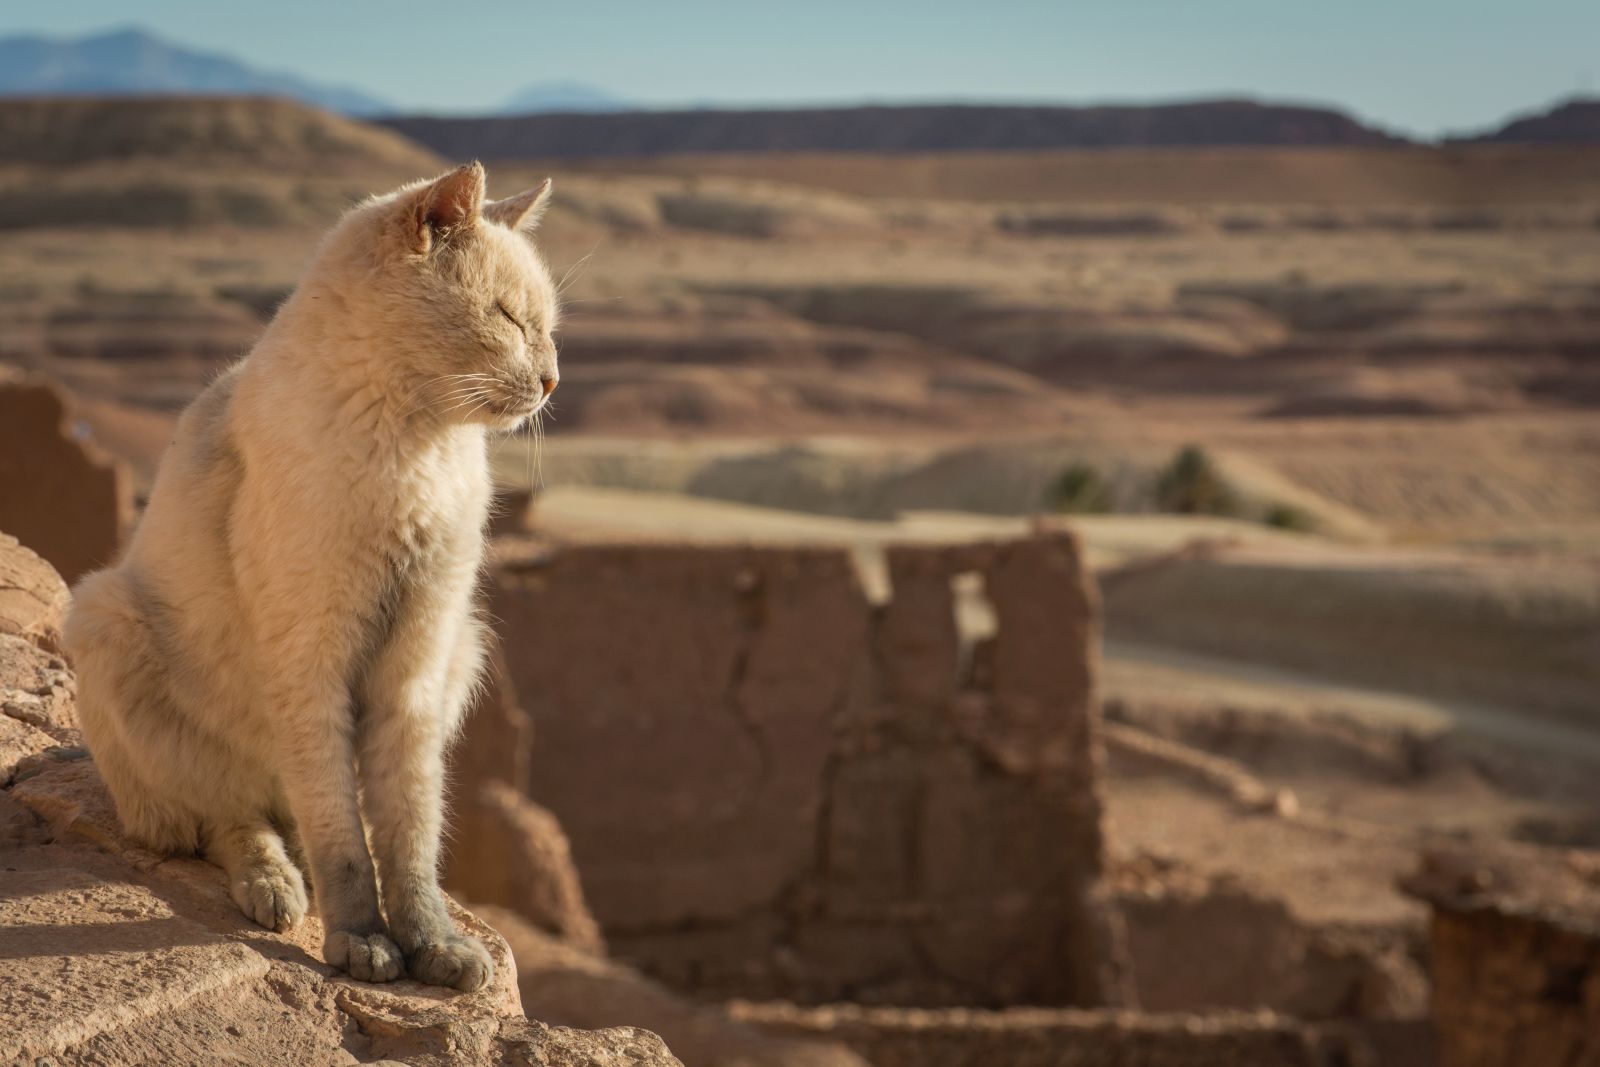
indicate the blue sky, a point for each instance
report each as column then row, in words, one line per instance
column 1422, row 66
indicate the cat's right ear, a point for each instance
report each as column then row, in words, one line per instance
column 521, row 212
column 444, row 207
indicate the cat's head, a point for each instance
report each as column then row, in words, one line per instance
column 457, row 299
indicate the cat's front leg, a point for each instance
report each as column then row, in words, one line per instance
column 416, row 690
column 317, row 767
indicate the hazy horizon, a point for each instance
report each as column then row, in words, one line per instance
column 1429, row 70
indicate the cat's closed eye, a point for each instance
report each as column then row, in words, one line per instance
column 511, row 318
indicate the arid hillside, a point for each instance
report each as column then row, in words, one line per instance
column 75, row 162
column 1383, row 342
column 208, row 131
column 886, row 129
column 1332, row 184
column 991, row 590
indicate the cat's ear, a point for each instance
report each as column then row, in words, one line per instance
column 445, row 206
column 520, row 212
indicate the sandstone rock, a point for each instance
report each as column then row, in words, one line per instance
column 36, row 688
column 142, row 958
column 33, row 598
column 19, row 826
column 36, row 708
column 113, row 955
column 59, row 495
column 90, row 954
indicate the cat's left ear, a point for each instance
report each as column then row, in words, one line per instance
column 520, row 212
column 445, row 206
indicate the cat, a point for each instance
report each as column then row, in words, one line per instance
column 270, row 673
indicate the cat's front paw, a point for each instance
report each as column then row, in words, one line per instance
column 368, row 957
column 454, row 960
column 274, row 896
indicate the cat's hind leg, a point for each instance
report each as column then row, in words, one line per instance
column 120, row 691
column 177, row 787
column 264, row 881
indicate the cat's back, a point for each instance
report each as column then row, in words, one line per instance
column 196, row 481
column 202, row 446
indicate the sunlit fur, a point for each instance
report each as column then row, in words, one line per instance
column 274, row 667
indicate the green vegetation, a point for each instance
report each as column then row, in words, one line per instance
column 1080, row 490
column 1289, row 517
column 1192, row 485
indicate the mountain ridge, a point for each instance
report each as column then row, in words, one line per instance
column 131, row 61
column 1575, row 120
column 879, row 128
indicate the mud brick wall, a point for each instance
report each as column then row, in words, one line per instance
column 58, row 495
column 1512, row 987
column 776, row 788
column 1059, row 1037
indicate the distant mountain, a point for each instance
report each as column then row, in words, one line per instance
column 130, row 62
column 930, row 128
column 542, row 97
column 1574, row 121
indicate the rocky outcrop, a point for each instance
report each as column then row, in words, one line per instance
column 114, row 955
column 58, row 493
column 810, row 797
column 33, row 598
column 36, row 690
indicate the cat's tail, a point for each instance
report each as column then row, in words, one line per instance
column 123, row 708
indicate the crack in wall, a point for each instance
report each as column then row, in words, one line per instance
column 751, row 589
column 901, row 750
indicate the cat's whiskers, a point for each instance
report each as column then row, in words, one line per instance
column 479, row 406
column 536, row 448
column 416, row 397
column 476, row 385
column 527, row 453
column 569, row 277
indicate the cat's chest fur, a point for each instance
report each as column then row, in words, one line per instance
column 425, row 523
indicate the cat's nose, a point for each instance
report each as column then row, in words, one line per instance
column 549, row 384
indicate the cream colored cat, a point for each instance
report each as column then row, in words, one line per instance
column 289, row 641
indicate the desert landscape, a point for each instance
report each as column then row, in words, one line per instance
column 1131, row 605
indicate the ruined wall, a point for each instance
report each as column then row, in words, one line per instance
column 503, row 849
column 1060, row 1037
column 1510, row 988
column 774, row 788
column 58, row 495
column 1515, row 945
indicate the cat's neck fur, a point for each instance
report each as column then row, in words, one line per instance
column 319, row 366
